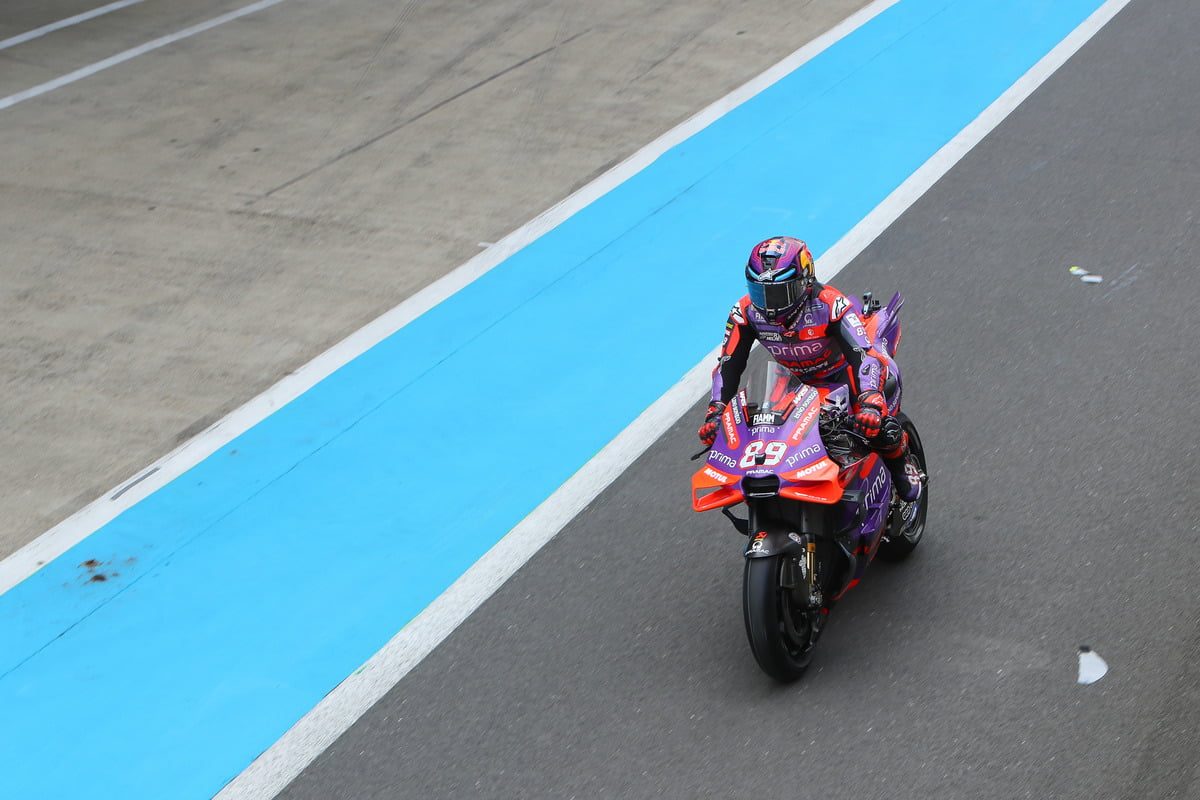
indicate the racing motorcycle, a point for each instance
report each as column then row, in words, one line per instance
column 820, row 503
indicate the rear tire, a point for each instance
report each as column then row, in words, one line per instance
column 769, row 614
column 905, row 530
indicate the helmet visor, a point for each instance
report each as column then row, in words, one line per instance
column 776, row 296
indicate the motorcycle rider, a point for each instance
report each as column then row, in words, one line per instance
column 812, row 330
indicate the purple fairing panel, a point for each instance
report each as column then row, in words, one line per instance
column 773, row 441
column 877, row 491
column 887, row 322
column 887, row 335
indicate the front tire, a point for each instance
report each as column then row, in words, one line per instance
column 780, row 635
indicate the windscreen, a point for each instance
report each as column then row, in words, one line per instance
column 777, row 383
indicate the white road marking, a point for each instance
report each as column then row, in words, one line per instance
column 13, row 41
column 134, row 52
column 338, row 710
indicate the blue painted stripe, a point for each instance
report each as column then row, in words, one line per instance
column 251, row 585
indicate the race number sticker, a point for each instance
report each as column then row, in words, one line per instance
column 772, row 452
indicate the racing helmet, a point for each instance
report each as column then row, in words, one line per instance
column 780, row 275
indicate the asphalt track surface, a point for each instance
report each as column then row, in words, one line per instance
column 1059, row 419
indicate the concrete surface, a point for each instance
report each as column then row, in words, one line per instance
column 183, row 230
column 1058, row 418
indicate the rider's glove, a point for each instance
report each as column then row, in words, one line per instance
column 871, row 409
column 708, row 431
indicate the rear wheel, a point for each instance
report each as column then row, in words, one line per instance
column 907, row 523
column 781, row 632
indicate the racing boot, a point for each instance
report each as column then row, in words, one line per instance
column 905, row 475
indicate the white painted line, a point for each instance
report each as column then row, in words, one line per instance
column 84, row 522
column 337, row 711
column 13, row 41
column 134, row 52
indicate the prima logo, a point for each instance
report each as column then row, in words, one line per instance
column 806, row 452
column 722, row 458
column 797, row 351
column 876, row 486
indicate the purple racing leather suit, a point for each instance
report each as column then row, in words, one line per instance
column 823, row 343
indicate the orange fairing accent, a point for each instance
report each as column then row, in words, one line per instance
column 727, row 492
column 826, row 493
column 849, row 586
column 864, row 467
column 718, row 499
column 818, row 472
column 818, row 483
column 872, row 325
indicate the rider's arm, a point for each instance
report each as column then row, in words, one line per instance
column 859, row 350
column 735, row 352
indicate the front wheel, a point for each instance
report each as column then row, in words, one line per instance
column 907, row 523
column 781, row 634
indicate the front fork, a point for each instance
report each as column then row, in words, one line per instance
column 799, row 574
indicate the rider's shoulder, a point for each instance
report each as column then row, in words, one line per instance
column 838, row 303
column 740, row 313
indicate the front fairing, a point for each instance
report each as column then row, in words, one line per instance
column 772, row 448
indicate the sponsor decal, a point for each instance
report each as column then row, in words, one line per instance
column 805, row 395
column 764, row 418
column 856, row 324
column 731, row 434
column 722, row 458
column 806, row 452
column 736, row 316
column 769, row 336
column 876, row 486
column 806, row 417
column 736, row 407
column 809, row 470
column 757, row 545
column 840, row 304
column 795, row 537
column 798, row 350
column 719, row 477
